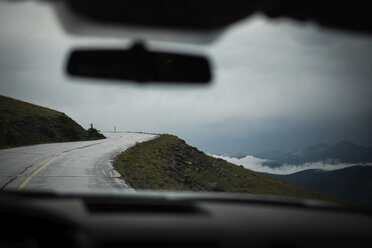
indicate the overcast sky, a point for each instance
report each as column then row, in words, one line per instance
column 278, row 85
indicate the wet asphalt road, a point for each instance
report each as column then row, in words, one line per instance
column 70, row 166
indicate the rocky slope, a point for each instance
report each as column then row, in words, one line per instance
column 23, row 123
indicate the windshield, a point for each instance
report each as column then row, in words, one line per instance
column 288, row 113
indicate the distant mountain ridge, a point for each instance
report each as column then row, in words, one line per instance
column 352, row 183
column 341, row 152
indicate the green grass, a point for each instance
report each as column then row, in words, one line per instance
column 23, row 123
column 168, row 163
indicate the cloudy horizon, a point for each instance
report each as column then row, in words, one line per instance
column 278, row 85
column 258, row 164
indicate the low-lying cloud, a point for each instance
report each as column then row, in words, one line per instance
column 257, row 164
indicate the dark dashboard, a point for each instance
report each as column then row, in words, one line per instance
column 177, row 220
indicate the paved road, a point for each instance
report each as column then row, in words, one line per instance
column 69, row 166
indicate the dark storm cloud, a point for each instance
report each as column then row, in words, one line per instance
column 279, row 85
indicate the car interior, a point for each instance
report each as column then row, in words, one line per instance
column 169, row 219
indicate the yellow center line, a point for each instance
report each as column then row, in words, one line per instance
column 50, row 161
column 37, row 171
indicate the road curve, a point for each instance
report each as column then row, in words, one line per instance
column 68, row 166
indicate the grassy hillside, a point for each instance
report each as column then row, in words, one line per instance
column 168, row 163
column 23, row 123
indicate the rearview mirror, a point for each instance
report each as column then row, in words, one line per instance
column 138, row 64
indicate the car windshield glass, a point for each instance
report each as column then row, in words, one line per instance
column 288, row 113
